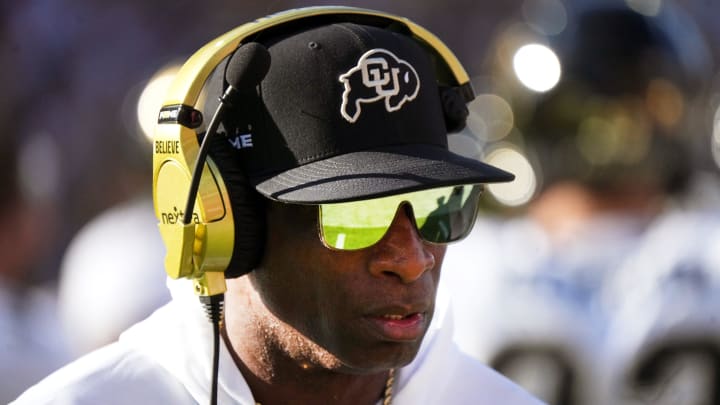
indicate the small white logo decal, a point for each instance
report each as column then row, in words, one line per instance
column 379, row 74
column 241, row 141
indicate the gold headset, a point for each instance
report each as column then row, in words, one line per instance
column 201, row 246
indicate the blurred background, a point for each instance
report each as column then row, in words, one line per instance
column 591, row 279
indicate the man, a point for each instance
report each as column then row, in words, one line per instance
column 343, row 175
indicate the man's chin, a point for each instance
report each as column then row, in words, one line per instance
column 393, row 355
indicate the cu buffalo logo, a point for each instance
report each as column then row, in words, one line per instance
column 378, row 75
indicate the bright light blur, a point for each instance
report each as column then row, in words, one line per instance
column 519, row 191
column 537, row 67
column 490, row 117
column 152, row 97
column 649, row 8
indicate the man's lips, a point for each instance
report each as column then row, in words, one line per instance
column 401, row 326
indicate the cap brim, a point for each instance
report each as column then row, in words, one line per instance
column 376, row 173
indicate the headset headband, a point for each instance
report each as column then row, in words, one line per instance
column 190, row 79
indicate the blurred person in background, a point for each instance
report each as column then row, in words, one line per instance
column 31, row 342
column 108, row 275
column 612, row 145
column 63, row 118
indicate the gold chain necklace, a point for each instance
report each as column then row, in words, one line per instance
column 387, row 394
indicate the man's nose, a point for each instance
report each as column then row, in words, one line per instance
column 401, row 252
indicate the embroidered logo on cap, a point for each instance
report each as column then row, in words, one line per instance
column 378, row 75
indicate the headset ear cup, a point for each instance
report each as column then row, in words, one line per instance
column 248, row 209
column 454, row 109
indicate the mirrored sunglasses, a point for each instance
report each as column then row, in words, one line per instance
column 441, row 215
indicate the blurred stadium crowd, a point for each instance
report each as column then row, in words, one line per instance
column 594, row 278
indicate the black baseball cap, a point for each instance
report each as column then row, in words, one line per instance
column 349, row 112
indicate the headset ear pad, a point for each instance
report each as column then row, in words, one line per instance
column 247, row 205
column 454, row 109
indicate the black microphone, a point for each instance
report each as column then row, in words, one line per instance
column 244, row 71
